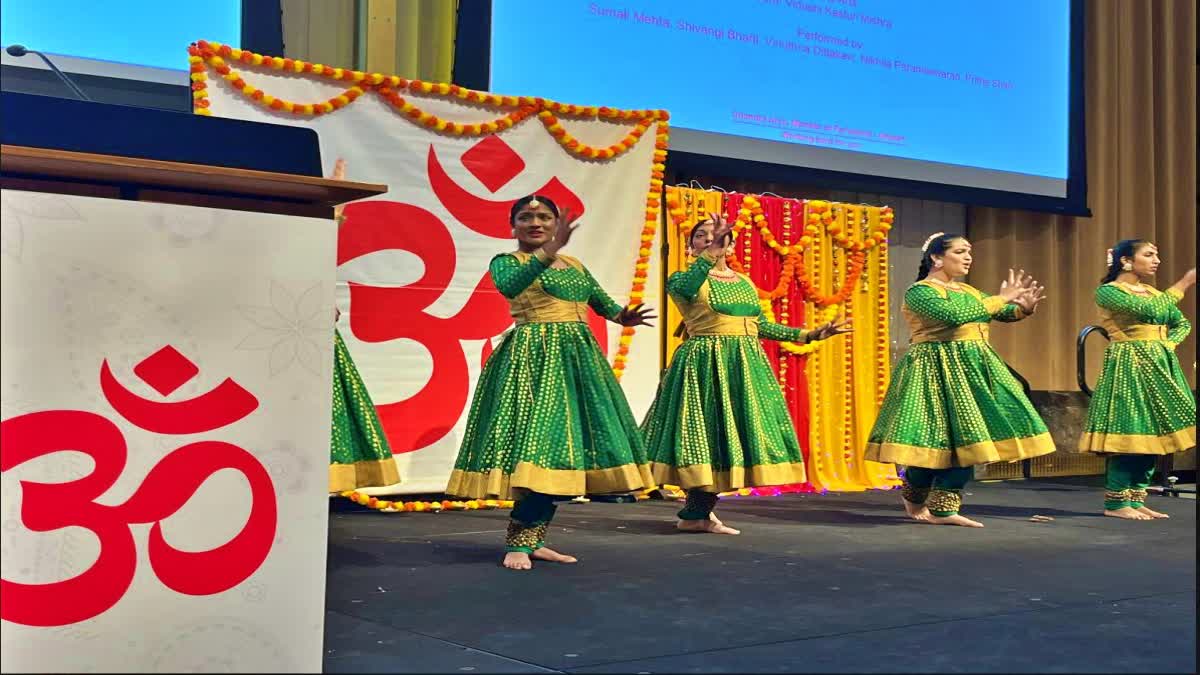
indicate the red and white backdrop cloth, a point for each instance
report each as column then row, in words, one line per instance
column 419, row 312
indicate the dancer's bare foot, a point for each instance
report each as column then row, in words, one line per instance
column 915, row 511
column 1151, row 512
column 956, row 519
column 722, row 528
column 550, row 554
column 1128, row 513
column 517, row 560
column 712, row 525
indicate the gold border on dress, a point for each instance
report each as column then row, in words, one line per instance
column 716, row 480
column 566, row 482
column 1009, row 450
column 366, row 473
column 1137, row 444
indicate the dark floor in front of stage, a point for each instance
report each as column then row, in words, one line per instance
column 815, row 583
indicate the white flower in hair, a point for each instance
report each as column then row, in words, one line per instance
column 1108, row 258
column 935, row 235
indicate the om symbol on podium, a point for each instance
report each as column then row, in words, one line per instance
column 167, row 487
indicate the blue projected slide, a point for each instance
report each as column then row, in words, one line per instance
column 140, row 32
column 968, row 83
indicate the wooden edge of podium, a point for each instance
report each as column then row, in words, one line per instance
column 134, row 178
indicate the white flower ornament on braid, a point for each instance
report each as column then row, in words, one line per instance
column 935, row 235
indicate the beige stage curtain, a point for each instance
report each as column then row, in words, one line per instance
column 1141, row 144
column 321, row 31
column 409, row 38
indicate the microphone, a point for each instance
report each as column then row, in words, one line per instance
column 20, row 50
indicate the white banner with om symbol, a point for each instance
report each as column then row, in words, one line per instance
column 419, row 314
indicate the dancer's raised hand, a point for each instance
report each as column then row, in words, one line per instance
column 1031, row 298
column 636, row 315
column 564, row 226
column 831, row 329
column 1014, row 286
column 721, row 230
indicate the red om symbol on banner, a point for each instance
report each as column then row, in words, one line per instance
column 46, row 507
column 381, row 314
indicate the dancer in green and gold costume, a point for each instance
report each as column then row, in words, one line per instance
column 719, row 421
column 952, row 403
column 359, row 454
column 549, row 420
column 1143, row 406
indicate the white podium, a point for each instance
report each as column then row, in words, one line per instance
column 167, row 342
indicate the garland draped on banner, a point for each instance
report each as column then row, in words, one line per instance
column 812, row 261
column 419, row 312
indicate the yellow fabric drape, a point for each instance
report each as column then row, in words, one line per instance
column 846, row 376
column 1141, row 135
column 424, row 39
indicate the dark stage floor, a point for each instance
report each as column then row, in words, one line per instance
column 815, row 583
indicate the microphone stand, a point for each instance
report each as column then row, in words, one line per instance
column 19, row 50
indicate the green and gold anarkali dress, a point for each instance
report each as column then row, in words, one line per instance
column 1142, row 406
column 952, row 402
column 359, row 455
column 548, row 419
column 719, row 421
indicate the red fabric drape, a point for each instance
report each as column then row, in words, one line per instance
column 764, row 266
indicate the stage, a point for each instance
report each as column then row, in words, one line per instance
column 815, row 583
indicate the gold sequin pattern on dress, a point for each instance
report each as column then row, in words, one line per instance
column 953, row 402
column 548, row 414
column 541, row 530
column 520, row 535
column 720, row 420
column 944, row 501
column 1114, row 496
column 914, row 495
column 359, row 453
column 1143, row 403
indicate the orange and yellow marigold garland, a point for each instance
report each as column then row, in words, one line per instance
column 204, row 55
column 390, row 506
column 641, row 268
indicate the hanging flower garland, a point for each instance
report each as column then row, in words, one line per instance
column 641, row 268
column 204, row 55
column 819, row 213
column 388, row 506
column 882, row 335
column 785, row 299
column 751, row 211
column 789, row 347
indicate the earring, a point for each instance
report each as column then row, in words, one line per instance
column 937, row 264
column 1128, row 267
